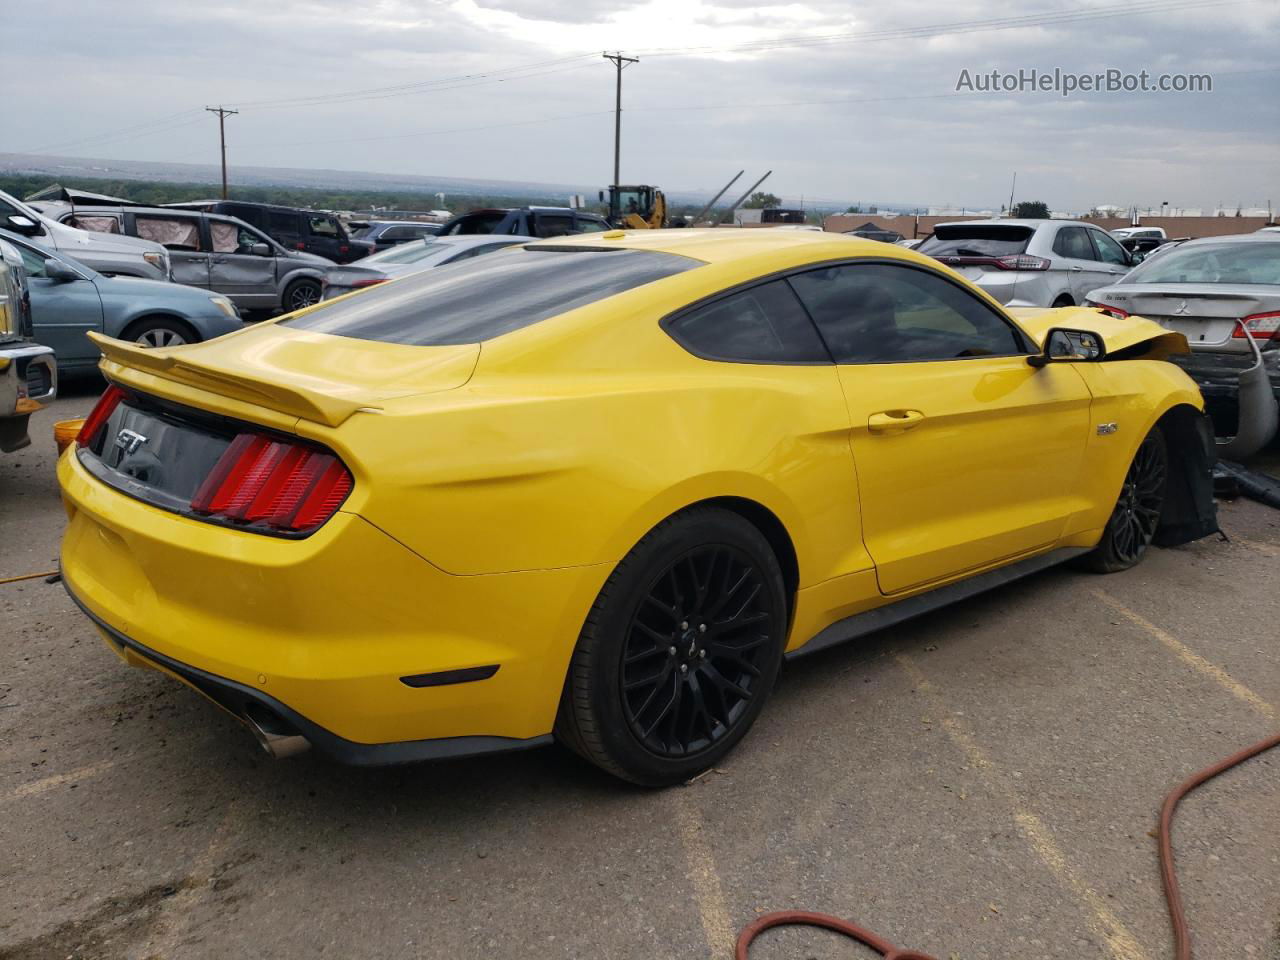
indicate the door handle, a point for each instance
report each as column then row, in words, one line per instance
column 894, row 421
column 1076, row 269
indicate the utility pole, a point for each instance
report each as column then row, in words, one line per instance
column 223, row 113
column 619, row 61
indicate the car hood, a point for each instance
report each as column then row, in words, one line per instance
column 1117, row 334
column 158, row 291
column 313, row 376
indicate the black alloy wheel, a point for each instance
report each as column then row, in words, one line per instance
column 680, row 650
column 691, row 660
column 1136, row 515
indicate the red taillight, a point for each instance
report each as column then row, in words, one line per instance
column 300, row 245
column 105, row 406
column 260, row 480
column 369, row 282
column 1263, row 326
column 1108, row 309
column 1022, row 261
column 343, row 248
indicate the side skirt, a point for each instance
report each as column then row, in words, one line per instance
column 892, row 614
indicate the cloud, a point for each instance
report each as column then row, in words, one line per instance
column 516, row 89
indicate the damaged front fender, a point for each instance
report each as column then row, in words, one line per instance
column 1127, row 338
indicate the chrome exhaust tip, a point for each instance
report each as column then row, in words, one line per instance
column 275, row 737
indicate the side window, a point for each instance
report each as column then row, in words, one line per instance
column 322, row 227
column 464, row 255
column 591, row 225
column 883, row 313
column 764, row 324
column 1073, row 242
column 232, row 237
column 283, row 224
column 175, row 233
column 32, row 262
column 552, row 225
column 1109, row 251
column 94, row 224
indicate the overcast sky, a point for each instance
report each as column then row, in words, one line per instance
column 854, row 118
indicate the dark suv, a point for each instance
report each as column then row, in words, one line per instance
column 538, row 222
column 385, row 234
column 315, row 232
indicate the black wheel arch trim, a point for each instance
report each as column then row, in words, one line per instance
column 234, row 697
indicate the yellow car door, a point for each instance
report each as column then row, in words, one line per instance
column 966, row 455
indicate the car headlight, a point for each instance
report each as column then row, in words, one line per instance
column 159, row 260
column 226, row 306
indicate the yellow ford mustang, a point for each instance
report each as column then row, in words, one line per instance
column 597, row 488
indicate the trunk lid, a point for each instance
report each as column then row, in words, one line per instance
column 1205, row 313
column 296, row 373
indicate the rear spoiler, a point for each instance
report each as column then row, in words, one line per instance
column 298, row 401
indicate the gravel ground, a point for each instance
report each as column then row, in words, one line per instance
column 981, row 783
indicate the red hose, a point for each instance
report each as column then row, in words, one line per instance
column 1177, row 917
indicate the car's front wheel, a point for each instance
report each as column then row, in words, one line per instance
column 1136, row 514
column 679, row 652
column 161, row 332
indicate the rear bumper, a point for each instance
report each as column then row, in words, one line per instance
column 243, row 701
column 28, row 375
column 334, row 632
column 1218, row 374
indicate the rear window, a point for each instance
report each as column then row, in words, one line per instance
column 1249, row 262
column 406, row 253
column 963, row 240
column 480, row 299
column 474, row 223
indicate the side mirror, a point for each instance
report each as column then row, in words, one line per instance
column 59, row 272
column 1069, row 346
column 23, row 225
column 1136, row 257
column 260, row 250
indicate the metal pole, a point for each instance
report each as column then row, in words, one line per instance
column 222, row 113
column 737, row 203
column 707, row 209
column 618, row 61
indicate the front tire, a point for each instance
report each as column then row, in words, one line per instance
column 679, row 652
column 1136, row 514
column 161, row 332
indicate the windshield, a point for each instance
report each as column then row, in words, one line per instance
column 1247, row 262
column 979, row 240
column 405, row 253
column 480, row 299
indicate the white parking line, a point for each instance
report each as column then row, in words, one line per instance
column 1191, row 658
column 1104, row 923
column 37, row 787
column 708, row 892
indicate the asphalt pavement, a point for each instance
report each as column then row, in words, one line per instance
column 980, row 783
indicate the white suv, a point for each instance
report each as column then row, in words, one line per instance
column 1031, row 263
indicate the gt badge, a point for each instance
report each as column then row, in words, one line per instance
column 129, row 440
column 1104, row 429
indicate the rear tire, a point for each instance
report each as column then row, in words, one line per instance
column 161, row 332
column 1137, row 511
column 679, row 652
column 299, row 294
